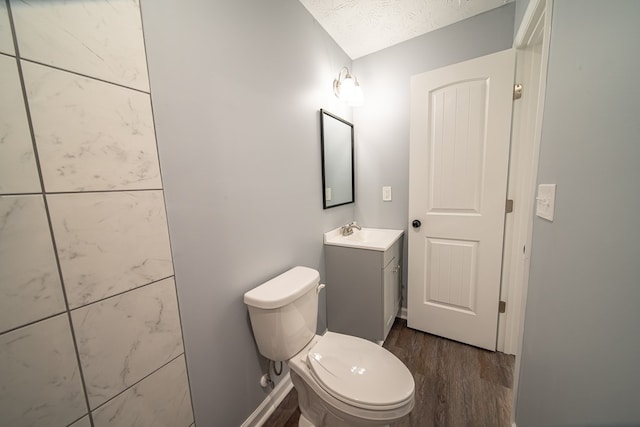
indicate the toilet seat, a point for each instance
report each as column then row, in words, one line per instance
column 360, row 373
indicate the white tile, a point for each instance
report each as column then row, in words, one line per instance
column 124, row 338
column 6, row 39
column 30, row 287
column 82, row 422
column 110, row 242
column 101, row 39
column 160, row 400
column 91, row 135
column 40, row 383
column 18, row 172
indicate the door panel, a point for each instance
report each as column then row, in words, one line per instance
column 451, row 280
column 459, row 151
column 456, row 144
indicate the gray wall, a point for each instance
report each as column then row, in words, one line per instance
column 382, row 123
column 237, row 86
column 581, row 341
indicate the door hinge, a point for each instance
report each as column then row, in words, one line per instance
column 508, row 208
column 502, row 307
column 517, row 91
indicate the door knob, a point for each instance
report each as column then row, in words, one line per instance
column 416, row 223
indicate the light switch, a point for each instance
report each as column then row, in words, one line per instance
column 386, row 194
column 546, row 201
column 327, row 193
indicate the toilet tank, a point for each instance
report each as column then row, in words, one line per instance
column 284, row 312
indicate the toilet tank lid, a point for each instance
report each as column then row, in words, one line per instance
column 283, row 289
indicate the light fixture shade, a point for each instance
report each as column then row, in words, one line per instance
column 357, row 98
column 346, row 88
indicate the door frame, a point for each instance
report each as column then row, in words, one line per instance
column 523, row 169
column 534, row 29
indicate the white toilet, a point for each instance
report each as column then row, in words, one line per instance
column 341, row 380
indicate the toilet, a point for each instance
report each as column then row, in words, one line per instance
column 341, row 380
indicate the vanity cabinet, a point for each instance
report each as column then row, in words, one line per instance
column 363, row 289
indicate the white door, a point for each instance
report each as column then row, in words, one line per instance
column 459, row 154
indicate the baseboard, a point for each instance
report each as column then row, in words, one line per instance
column 270, row 403
column 403, row 313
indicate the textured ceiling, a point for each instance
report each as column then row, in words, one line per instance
column 361, row 27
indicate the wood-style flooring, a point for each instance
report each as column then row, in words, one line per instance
column 456, row 384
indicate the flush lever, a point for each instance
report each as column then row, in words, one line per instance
column 320, row 287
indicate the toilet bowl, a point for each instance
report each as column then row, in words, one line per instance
column 341, row 380
column 347, row 381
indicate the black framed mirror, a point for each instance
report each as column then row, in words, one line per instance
column 336, row 140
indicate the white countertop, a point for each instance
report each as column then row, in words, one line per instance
column 377, row 239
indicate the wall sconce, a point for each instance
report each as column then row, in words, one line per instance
column 346, row 88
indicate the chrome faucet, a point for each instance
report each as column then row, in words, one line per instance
column 347, row 230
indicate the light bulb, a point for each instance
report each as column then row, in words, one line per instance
column 357, row 98
column 347, row 86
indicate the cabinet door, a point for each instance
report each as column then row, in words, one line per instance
column 391, row 294
column 354, row 279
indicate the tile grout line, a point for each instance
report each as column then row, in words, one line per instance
column 23, row 325
column 119, row 294
column 64, row 70
column 55, row 193
column 33, row 322
column 46, row 207
column 142, row 379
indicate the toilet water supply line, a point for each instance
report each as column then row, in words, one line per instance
column 275, row 371
column 266, row 380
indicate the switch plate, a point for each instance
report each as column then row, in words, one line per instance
column 546, row 201
column 327, row 193
column 386, row 194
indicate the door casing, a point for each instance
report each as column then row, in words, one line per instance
column 533, row 33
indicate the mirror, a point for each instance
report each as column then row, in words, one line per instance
column 336, row 138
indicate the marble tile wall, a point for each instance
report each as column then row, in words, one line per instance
column 148, row 338
column 40, row 379
column 18, row 172
column 90, row 331
column 6, row 39
column 101, row 39
column 70, row 114
column 29, row 275
column 109, row 242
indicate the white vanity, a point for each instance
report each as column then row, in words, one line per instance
column 363, row 278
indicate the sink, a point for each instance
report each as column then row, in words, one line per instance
column 377, row 239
